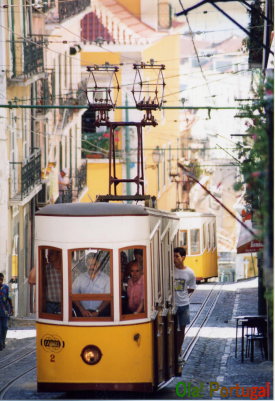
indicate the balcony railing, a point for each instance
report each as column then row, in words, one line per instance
column 65, row 196
column 33, row 55
column 24, row 176
column 81, row 177
column 42, row 5
column 67, row 9
column 81, row 93
column 79, row 182
column 43, row 95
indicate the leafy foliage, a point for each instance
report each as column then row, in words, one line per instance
column 253, row 154
column 254, row 42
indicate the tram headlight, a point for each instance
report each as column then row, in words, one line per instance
column 91, row 354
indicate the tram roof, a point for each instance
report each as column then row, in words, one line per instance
column 92, row 209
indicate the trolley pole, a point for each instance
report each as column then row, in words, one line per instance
column 127, row 149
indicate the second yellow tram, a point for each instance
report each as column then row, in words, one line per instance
column 197, row 234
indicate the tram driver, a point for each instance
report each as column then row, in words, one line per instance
column 93, row 281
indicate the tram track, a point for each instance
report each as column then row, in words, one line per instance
column 9, row 359
column 200, row 319
column 22, row 362
column 23, row 365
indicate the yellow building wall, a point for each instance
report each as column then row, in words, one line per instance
column 251, row 266
column 167, row 132
column 132, row 5
column 98, row 179
column 98, row 170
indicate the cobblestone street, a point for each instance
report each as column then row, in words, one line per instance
column 212, row 359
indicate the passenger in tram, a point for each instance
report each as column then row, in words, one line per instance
column 185, row 284
column 93, row 281
column 52, row 281
column 138, row 254
column 52, row 272
column 135, row 288
column 124, row 266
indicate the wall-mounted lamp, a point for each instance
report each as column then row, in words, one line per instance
column 75, row 49
column 156, row 155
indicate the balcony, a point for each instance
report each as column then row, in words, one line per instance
column 43, row 5
column 69, row 8
column 81, row 178
column 81, row 96
column 78, row 184
column 25, row 177
column 33, row 55
column 65, row 196
column 43, row 96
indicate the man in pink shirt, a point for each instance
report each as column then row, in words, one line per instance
column 135, row 289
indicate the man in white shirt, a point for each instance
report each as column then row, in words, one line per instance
column 63, row 184
column 93, row 281
column 184, row 286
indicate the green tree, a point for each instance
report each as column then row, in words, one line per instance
column 253, row 153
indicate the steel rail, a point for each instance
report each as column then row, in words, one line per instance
column 194, row 340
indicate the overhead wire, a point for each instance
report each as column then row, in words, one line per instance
column 80, row 38
column 74, row 91
column 195, row 49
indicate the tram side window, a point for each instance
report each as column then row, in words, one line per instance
column 90, row 283
column 132, row 273
column 214, row 235
column 183, row 240
column 50, row 300
column 195, row 241
column 204, row 236
column 210, row 236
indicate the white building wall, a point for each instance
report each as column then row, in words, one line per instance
column 149, row 12
column 4, row 170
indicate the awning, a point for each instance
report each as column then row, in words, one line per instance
column 250, row 246
column 246, row 242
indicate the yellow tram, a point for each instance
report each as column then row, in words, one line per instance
column 197, row 234
column 110, row 348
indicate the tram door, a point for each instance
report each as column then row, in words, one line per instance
column 167, row 258
column 159, row 319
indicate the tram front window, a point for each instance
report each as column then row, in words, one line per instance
column 132, row 268
column 91, row 284
column 51, row 281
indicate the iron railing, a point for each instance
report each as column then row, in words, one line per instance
column 43, row 95
column 78, row 184
column 81, row 178
column 81, row 96
column 24, row 176
column 42, row 5
column 33, row 54
column 65, row 196
column 67, row 9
